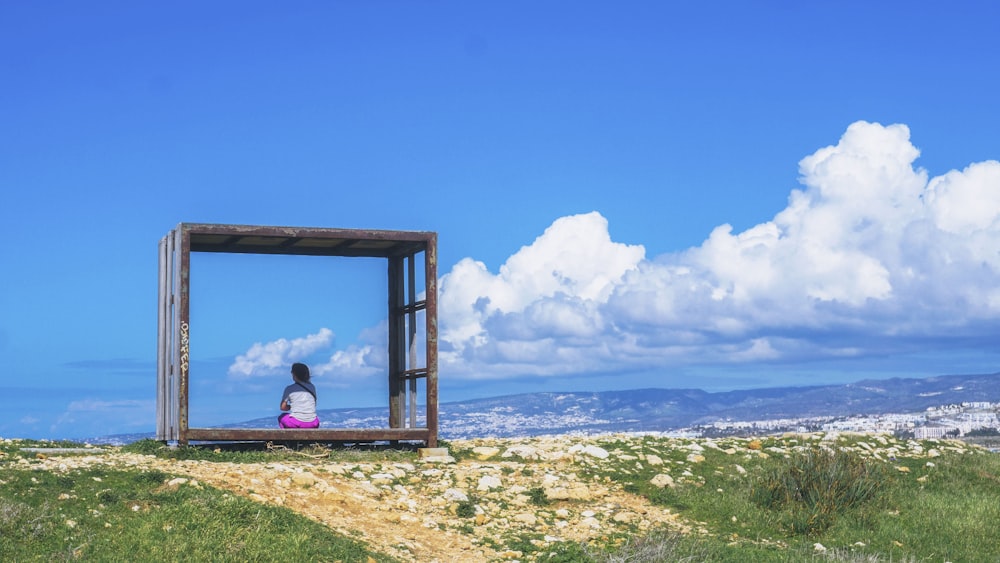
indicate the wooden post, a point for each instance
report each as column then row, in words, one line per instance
column 431, row 332
column 411, row 334
column 182, row 330
column 162, row 345
column 397, row 343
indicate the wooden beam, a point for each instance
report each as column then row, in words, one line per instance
column 306, row 434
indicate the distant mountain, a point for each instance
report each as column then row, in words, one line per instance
column 668, row 409
column 532, row 414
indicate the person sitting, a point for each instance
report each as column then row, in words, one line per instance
column 299, row 400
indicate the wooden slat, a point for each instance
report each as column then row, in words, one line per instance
column 162, row 346
column 411, row 336
column 431, row 335
column 315, row 434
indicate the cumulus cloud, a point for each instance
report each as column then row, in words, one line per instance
column 358, row 360
column 868, row 257
column 274, row 357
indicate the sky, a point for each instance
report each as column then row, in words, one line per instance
column 716, row 195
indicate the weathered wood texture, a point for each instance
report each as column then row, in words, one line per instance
column 311, row 435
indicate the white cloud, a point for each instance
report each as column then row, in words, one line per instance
column 867, row 254
column 870, row 256
column 276, row 357
column 354, row 362
column 549, row 289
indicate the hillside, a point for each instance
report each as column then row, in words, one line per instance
column 535, row 499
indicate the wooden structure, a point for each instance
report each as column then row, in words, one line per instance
column 399, row 248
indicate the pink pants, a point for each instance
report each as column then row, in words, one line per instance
column 288, row 421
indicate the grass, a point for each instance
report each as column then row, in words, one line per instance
column 859, row 502
column 862, row 499
column 109, row 515
column 811, row 490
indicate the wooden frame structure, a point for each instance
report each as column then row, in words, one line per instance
column 399, row 248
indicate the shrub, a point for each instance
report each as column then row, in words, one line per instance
column 466, row 509
column 658, row 546
column 812, row 489
column 537, row 497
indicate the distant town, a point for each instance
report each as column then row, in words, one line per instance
column 946, row 421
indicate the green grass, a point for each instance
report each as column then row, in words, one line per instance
column 887, row 503
column 108, row 515
column 810, row 491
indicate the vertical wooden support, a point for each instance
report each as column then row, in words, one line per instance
column 431, row 331
column 183, row 330
column 162, row 346
column 397, row 343
column 411, row 334
column 166, row 366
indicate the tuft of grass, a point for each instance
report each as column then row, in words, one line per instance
column 466, row 509
column 810, row 490
column 658, row 546
column 536, row 496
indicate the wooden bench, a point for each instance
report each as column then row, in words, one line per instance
column 312, row 434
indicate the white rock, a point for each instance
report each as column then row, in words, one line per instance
column 626, row 517
column 455, row 495
column 488, row 483
column 526, row 518
column 818, row 547
column 592, row 450
column 591, row 521
column 662, row 480
column 521, row 450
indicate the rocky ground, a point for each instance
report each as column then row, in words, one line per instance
column 435, row 508
column 489, row 495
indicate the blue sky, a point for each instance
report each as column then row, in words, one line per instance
column 646, row 194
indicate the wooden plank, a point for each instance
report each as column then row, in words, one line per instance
column 411, row 336
column 314, row 434
column 173, row 380
column 397, row 343
column 182, row 334
column 162, row 406
column 431, row 335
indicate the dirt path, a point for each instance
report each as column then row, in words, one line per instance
column 423, row 511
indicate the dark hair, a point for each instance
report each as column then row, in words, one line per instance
column 300, row 372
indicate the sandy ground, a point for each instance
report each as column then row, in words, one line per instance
column 409, row 509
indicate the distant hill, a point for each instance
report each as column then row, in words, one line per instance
column 532, row 414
